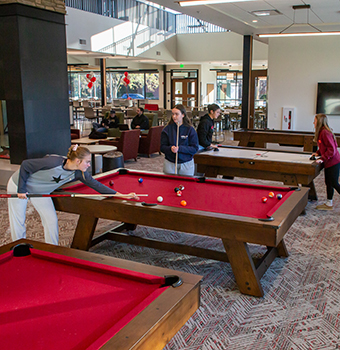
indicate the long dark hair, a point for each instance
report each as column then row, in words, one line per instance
column 321, row 121
column 186, row 120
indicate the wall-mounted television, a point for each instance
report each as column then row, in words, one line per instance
column 328, row 100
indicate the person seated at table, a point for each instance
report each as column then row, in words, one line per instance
column 43, row 176
column 185, row 144
column 112, row 121
column 140, row 121
column 205, row 128
column 329, row 155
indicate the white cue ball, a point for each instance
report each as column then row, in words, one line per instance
column 159, row 199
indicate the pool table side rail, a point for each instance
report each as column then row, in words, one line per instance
column 184, row 220
column 242, row 166
column 149, row 328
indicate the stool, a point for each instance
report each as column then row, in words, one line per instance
column 113, row 160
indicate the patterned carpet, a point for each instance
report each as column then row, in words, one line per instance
column 301, row 306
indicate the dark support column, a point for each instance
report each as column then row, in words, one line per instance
column 33, row 81
column 164, row 87
column 246, row 83
column 103, row 79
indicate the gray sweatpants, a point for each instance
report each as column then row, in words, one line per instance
column 17, row 215
column 187, row 168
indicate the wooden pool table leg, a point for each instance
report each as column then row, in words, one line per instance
column 312, row 192
column 84, row 232
column 281, row 249
column 243, row 267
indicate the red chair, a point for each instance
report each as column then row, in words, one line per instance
column 151, row 106
column 128, row 143
column 75, row 134
column 151, row 143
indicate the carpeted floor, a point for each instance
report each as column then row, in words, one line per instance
column 301, row 306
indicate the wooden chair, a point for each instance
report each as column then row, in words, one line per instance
column 151, row 142
column 89, row 113
column 235, row 120
column 128, row 144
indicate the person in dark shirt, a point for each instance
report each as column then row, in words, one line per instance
column 107, row 123
column 140, row 121
column 43, row 176
column 187, row 143
column 329, row 155
column 205, row 128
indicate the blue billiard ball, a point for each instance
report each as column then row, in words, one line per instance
column 279, row 196
column 140, row 180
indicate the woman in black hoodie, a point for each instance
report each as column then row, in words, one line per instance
column 206, row 127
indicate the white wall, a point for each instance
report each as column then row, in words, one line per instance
column 216, row 47
column 83, row 25
column 295, row 66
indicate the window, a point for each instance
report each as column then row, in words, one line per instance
column 229, row 88
column 78, row 86
column 260, row 92
column 142, row 86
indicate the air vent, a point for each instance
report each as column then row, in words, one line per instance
column 158, row 53
column 82, row 41
column 261, row 13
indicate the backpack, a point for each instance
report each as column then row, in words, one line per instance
column 97, row 135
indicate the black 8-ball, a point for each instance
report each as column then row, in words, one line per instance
column 176, row 189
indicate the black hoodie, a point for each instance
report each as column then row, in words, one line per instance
column 205, row 131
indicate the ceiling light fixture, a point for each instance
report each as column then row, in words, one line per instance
column 207, row 2
column 318, row 32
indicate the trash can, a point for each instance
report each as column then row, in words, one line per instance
column 113, row 160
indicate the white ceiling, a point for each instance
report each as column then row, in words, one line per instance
column 237, row 16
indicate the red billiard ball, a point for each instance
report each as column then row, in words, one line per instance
column 264, row 199
column 279, row 196
column 179, row 193
column 271, row 194
column 111, row 183
column 183, row 203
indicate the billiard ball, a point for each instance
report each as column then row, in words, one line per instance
column 181, row 187
column 271, row 194
column 140, row 180
column 183, row 203
column 111, row 183
column 160, row 199
column 279, row 196
column 179, row 193
column 176, row 189
column 264, row 199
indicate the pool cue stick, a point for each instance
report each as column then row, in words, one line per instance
column 176, row 159
column 14, row 195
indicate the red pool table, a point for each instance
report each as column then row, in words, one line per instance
column 231, row 211
column 60, row 298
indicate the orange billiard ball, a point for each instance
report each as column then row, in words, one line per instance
column 183, row 203
column 271, row 194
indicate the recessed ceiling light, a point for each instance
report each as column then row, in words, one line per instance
column 261, row 13
column 254, row 20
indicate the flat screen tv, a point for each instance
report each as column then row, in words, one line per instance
column 328, row 101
